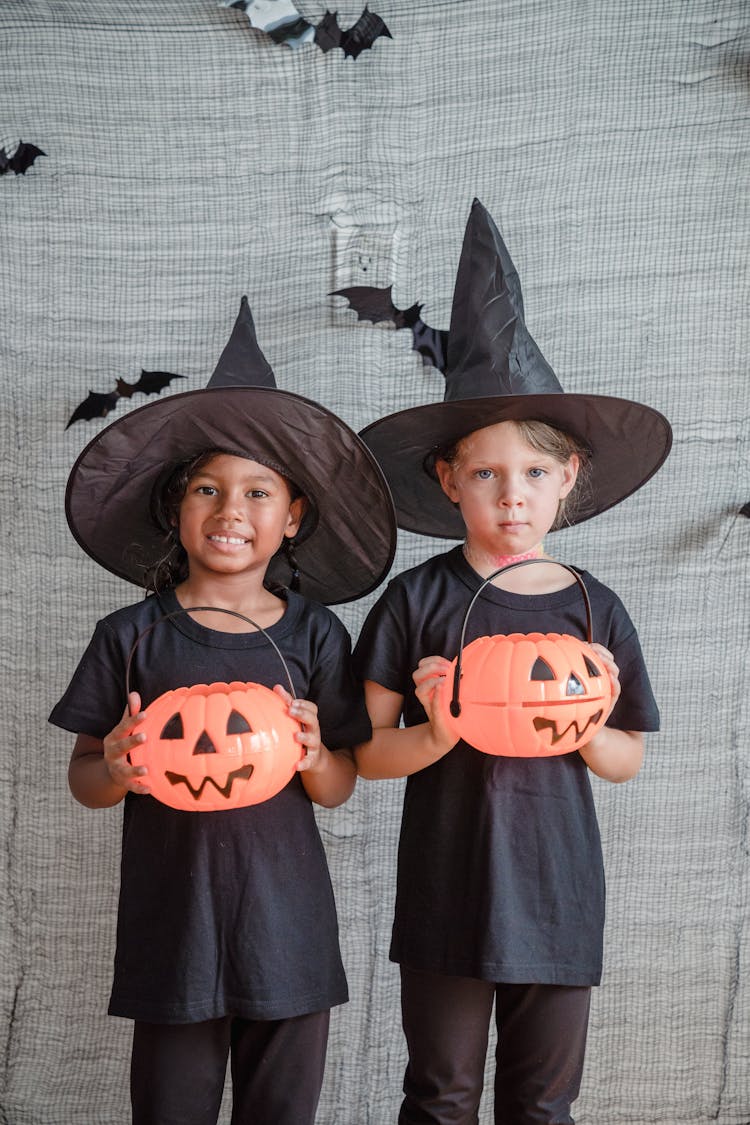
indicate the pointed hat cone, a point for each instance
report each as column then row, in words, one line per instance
column 495, row 372
column 490, row 350
column 242, row 363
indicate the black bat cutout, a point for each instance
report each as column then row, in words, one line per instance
column 99, row 405
column 745, row 510
column 21, row 160
column 360, row 37
column 376, row 305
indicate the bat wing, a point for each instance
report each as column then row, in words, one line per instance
column 150, row 383
column 370, row 303
column 431, row 343
column 361, row 36
column 94, row 406
column 21, row 160
column 745, row 510
column 376, row 305
column 328, row 33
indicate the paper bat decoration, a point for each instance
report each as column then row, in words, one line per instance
column 360, row 36
column 281, row 20
column 99, row 405
column 745, row 510
column 375, row 305
column 21, row 160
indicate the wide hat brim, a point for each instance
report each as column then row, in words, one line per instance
column 628, row 443
column 345, row 548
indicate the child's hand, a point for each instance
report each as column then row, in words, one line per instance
column 117, row 745
column 612, row 671
column 306, row 713
column 430, row 677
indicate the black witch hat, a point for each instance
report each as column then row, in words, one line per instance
column 346, row 542
column 494, row 373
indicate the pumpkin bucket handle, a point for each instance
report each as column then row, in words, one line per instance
column 211, row 609
column 455, row 703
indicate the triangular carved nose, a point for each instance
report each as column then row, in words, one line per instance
column 204, row 745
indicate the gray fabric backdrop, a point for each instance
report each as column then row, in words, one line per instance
column 189, row 160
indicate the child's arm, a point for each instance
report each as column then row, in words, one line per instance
column 329, row 776
column 99, row 774
column 395, row 751
column 615, row 755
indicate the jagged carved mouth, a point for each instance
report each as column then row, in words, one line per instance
column 243, row 773
column 550, row 724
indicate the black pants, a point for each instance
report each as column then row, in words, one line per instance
column 177, row 1070
column 541, row 1044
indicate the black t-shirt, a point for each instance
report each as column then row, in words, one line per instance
column 221, row 913
column 500, row 873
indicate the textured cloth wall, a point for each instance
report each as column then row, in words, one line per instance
column 189, row 159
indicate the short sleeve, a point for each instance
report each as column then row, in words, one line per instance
column 636, row 709
column 382, row 653
column 95, row 698
column 342, row 713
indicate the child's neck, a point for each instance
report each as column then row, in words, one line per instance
column 485, row 563
column 252, row 600
column 524, row 580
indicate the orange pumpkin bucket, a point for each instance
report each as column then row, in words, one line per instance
column 527, row 695
column 216, row 746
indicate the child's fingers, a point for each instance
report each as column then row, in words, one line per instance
column 612, row 670
column 128, row 721
column 608, row 660
column 310, row 758
column 118, row 744
column 127, row 776
column 281, row 691
column 310, row 740
column 304, row 712
column 431, row 667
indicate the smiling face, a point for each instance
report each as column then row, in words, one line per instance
column 508, row 491
column 234, row 516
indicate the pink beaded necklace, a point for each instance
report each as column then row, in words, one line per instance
column 498, row 561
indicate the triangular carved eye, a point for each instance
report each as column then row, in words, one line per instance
column 591, row 668
column 574, row 686
column 173, row 727
column 238, row 724
column 541, row 670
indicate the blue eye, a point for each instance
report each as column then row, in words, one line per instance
column 537, row 474
column 483, row 474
